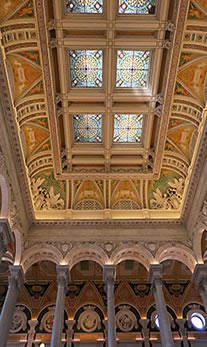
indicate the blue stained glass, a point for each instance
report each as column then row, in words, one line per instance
column 86, row 68
column 128, row 128
column 87, row 128
column 84, row 6
column 132, row 69
column 137, row 6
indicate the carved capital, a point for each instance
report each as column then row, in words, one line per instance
column 109, row 273
column 200, row 276
column 63, row 277
column 17, row 276
column 155, row 274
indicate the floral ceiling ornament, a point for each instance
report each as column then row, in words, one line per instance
column 44, row 200
column 171, row 200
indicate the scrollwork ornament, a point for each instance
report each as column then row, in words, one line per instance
column 125, row 319
column 19, row 321
column 89, row 320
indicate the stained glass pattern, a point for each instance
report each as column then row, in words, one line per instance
column 128, row 128
column 84, row 6
column 87, row 128
column 86, row 68
column 137, row 6
column 132, row 69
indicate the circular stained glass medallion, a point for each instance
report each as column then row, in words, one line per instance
column 138, row 3
column 85, row 2
column 87, row 128
column 86, row 68
column 132, row 68
column 128, row 128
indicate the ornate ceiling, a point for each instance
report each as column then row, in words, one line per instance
column 109, row 103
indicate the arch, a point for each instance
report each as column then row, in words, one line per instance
column 18, row 250
column 4, row 197
column 197, row 237
column 177, row 252
column 36, row 254
column 138, row 253
column 87, row 252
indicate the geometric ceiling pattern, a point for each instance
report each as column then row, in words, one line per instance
column 105, row 196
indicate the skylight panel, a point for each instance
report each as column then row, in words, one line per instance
column 128, row 128
column 86, row 68
column 87, row 128
column 84, row 6
column 137, row 6
column 132, row 69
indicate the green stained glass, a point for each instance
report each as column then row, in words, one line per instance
column 137, row 6
column 84, row 6
column 86, row 68
column 132, row 69
column 87, row 128
column 128, row 128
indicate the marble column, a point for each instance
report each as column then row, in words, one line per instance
column 109, row 278
column 200, row 279
column 5, row 236
column 31, row 333
column 155, row 277
column 16, row 279
column 70, row 324
column 62, row 280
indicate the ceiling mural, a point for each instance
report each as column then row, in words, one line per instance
column 99, row 136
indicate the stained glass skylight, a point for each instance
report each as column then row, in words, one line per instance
column 87, row 128
column 137, row 6
column 132, row 69
column 86, row 68
column 128, row 127
column 84, row 6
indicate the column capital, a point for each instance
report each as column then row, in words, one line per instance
column 17, row 275
column 63, row 275
column 109, row 273
column 155, row 273
column 200, row 274
column 32, row 323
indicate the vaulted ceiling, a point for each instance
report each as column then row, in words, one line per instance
column 109, row 103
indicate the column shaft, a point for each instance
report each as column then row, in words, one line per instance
column 109, row 278
column 165, row 330
column 15, row 281
column 63, row 279
column 111, row 315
